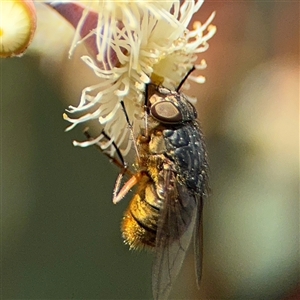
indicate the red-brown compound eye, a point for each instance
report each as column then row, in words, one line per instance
column 166, row 112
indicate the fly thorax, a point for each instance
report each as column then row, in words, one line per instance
column 157, row 143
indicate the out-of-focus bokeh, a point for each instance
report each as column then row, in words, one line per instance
column 60, row 230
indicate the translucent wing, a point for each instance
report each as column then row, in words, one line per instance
column 198, row 241
column 175, row 230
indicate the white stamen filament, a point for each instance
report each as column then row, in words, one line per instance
column 136, row 41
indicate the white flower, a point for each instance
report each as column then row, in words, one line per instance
column 131, row 44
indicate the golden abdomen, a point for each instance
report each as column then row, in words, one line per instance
column 139, row 224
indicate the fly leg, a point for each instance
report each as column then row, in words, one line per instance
column 121, row 164
column 119, row 193
column 130, row 126
column 184, row 79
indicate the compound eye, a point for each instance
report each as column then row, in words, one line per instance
column 166, row 112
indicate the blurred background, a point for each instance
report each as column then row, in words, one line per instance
column 60, row 231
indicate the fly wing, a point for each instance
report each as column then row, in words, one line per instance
column 174, row 234
column 198, row 241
